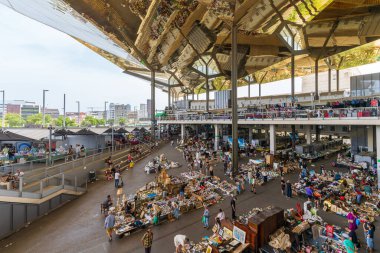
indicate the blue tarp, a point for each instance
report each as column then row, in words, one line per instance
column 241, row 142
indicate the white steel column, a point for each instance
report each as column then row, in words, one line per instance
column 370, row 138
column 182, row 131
column 250, row 134
column 272, row 139
column 378, row 154
column 216, row 143
column 308, row 133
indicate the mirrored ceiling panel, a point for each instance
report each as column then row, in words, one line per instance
column 59, row 15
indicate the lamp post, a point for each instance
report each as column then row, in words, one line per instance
column 43, row 107
column 105, row 111
column 64, row 111
column 3, row 116
column 112, row 138
column 50, row 134
column 78, row 111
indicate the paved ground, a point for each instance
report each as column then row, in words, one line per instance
column 78, row 226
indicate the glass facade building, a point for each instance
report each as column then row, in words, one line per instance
column 365, row 85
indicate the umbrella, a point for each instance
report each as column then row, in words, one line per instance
column 143, row 130
column 136, row 130
column 9, row 136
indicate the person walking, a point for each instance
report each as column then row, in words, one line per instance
column 233, row 207
column 206, row 217
column 147, row 240
column 109, row 223
column 283, row 184
column 117, row 178
column 211, row 170
column 369, row 239
column 253, row 184
column 288, row 189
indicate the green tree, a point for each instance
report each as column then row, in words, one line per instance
column 59, row 122
column 36, row 119
column 110, row 121
column 101, row 122
column 122, row 121
column 89, row 121
column 14, row 120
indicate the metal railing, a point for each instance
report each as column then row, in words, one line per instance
column 62, row 161
column 288, row 113
column 70, row 175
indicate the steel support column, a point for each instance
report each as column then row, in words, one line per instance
column 272, row 139
column 234, row 69
column 216, row 138
column 169, row 90
column 329, row 81
column 207, row 92
column 249, row 86
column 292, row 70
column 153, row 104
column 337, row 80
column 316, row 94
column 378, row 153
column 293, row 137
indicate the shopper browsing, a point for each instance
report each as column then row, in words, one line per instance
column 181, row 242
column 147, row 240
column 109, row 223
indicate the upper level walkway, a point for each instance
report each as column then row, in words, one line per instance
column 289, row 116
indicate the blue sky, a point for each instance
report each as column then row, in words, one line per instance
column 36, row 57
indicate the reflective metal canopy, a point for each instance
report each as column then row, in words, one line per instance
column 185, row 40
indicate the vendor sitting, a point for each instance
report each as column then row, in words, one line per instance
column 337, row 177
column 309, row 192
column 107, row 203
column 128, row 207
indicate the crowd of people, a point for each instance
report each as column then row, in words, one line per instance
column 200, row 156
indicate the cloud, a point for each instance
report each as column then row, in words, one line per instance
column 36, row 57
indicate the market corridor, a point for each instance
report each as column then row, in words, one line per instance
column 78, row 226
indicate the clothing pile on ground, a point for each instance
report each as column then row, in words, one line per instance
column 159, row 163
column 341, row 192
column 166, row 199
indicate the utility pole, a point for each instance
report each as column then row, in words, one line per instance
column 78, row 111
column 64, row 111
column 3, row 116
column 43, row 107
column 105, row 111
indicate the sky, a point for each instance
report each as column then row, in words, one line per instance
column 36, row 57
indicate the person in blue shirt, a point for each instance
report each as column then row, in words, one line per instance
column 109, row 223
column 369, row 239
column 206, row 217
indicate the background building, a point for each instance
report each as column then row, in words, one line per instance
column 148, row 107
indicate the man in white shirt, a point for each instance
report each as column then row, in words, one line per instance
column 117, row 178
column 221, row 216
column 180, row 241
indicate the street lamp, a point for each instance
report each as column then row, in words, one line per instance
column 64, row 111
column 78, row 110
column 3, row 116
column 50, row 134
column 43, row 107
column 105, row 111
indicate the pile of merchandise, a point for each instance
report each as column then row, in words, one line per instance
column 342, row 192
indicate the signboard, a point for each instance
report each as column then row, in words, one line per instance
column 239, row 234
